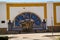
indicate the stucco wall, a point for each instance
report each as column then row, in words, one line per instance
column 14, row 11
column 50, row 16
column 3, row 15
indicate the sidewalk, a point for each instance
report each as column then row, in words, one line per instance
column 33, row 36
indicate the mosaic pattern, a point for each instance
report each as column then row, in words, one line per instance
column 27, row 17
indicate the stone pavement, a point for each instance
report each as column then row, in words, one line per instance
column 33, row 36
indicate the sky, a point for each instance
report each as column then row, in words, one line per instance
column 29, row 0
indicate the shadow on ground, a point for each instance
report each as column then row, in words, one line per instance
column 50, row 35
column 11, row 37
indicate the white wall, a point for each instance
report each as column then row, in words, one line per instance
column 14, row 11
column 3, row 15
column 50, row 16
column 58, row 14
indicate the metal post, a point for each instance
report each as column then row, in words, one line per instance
column 14, row 22
column 46, row 23
column 52, row 25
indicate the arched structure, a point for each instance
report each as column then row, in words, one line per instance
column 27, row 22
column 28, row 19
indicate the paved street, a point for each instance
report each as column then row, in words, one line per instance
column 33, row 36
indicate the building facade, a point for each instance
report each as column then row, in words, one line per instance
column 50, row 11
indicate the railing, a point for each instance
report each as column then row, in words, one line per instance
column 41, row 27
